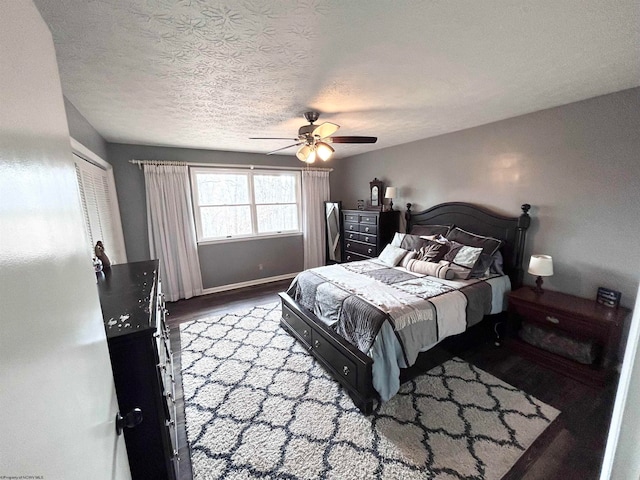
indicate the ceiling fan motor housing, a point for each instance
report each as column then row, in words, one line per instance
column 306, row 131
column 311, row 116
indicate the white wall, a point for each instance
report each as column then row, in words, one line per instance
column 622, row 457
column 56, row 386
column 578, row 165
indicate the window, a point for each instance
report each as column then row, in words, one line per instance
column 100, row 208
column 233, row 203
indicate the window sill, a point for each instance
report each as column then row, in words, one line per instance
column 246, row 239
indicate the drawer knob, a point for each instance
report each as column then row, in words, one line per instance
column 370, row 250
column 305, row 333
column 169, row 423
column 553, row 319
column 316, row 343
column 366, row 229
column 348, row 245
column 345, row 370
column 286, row 315
column 348, row 257
column 350, row 227
column 130, row 420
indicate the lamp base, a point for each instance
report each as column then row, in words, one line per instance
column 538, row 288
column 390, row 205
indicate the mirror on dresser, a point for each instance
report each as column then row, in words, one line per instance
column 333, row 217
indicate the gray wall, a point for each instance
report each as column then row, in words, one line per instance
column 577, row 165
column 81, row 130
column 221, row 264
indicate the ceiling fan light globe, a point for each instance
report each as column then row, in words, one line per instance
column 311, row 158
column 324, row 151
column 303, row 153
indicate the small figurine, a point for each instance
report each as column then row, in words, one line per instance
column 100, row 255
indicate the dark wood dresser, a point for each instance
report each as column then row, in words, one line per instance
column 133, row 311
column 366, row 233
column 579, row 319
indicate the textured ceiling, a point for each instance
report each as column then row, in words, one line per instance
column 209, row 74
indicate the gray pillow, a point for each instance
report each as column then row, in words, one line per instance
column 430, row 229
column 413, row 242
column 489, row 245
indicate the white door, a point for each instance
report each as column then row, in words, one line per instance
column 57, row 397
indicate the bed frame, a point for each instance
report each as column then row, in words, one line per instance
column 347, row 364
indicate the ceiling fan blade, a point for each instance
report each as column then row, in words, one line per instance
column 354, row 139
column 284, row 148
column 325, row 129
column 272, row 138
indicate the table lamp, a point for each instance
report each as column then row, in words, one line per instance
column 542, row 266
column 390, row 193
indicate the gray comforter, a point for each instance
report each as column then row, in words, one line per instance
column 363, row 301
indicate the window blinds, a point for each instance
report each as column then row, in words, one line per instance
column 98, row 208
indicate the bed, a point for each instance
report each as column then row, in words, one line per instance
column 366, row 364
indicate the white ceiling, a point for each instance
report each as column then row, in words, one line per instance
column 209, row 74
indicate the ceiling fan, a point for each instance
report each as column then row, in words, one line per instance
column 316, row 139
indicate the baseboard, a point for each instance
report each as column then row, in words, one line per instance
column 250, row 283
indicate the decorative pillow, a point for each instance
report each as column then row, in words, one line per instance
column 433, row 252
column 439, row 270
column 489, row 245
column 481, row 267
column 423, row 230
column 412, row 242
column 498, row 263
column 409, row 256
column 463, row 259
column 392, row 255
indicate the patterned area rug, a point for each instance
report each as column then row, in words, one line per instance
column 258, row 406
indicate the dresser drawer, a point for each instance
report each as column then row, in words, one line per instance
column 366, row 228
column 351, row 217
column 370, row 219
column 351, row 227
column 354, row 257
column 361, row 248
column 344, row 367
column 302, row 330
column 350, row 235
column 559, row 320
column 369, row 238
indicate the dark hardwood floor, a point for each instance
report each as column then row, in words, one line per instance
column 571, row 448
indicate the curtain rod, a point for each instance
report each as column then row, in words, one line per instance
column 223, row 165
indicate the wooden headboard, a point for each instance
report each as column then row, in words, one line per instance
column 511, row 230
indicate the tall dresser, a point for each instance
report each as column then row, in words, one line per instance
column 133, row 312
column 366, row 233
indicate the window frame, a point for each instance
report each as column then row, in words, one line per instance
column 249, row 173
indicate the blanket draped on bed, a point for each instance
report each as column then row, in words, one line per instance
column 390, row 313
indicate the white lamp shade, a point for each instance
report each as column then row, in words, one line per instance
column 541, row 265
column 390, row 193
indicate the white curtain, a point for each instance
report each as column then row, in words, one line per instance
column 315, row 191
column 172, row 235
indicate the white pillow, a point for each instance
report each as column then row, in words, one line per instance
column 392, row 255
column 397, row 239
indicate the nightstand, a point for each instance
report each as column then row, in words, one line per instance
column 574, row 319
